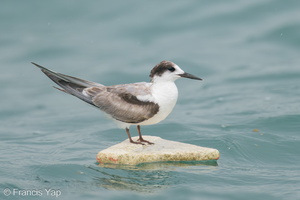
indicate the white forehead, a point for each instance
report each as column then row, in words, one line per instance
column 178, row 70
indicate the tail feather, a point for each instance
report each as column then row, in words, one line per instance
column 70, row 84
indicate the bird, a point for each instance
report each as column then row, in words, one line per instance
column 141, row 103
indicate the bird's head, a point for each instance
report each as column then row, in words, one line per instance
column 169, row 71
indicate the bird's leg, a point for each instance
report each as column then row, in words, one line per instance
column 140, row 134
column 129, row 137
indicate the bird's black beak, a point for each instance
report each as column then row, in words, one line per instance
column 187, row 75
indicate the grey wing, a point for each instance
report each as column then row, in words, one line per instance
column 122, row 102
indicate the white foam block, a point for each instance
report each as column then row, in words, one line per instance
column 161, row 151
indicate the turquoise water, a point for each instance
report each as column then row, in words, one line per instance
column 247, row 106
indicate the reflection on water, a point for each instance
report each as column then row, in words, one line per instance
column 161, row 165
column 147, row 177
column 138, row 181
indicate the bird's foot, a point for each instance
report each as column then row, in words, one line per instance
column 142, row 140
column 133, row 142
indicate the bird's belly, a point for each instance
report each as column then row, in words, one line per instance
column 161, row 115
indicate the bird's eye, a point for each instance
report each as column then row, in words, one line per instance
column 171, row 69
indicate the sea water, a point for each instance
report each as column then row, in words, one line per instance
column 247, row 106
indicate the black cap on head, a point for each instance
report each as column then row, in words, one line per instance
column 161, row 67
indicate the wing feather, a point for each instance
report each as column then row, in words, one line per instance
column 121, row 102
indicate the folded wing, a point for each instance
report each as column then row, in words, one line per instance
column 122, row 102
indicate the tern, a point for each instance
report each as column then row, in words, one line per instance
column 142, row 103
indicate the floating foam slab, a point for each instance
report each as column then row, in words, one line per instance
column 162, row 151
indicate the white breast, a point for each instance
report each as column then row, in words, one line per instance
column 165, row 94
